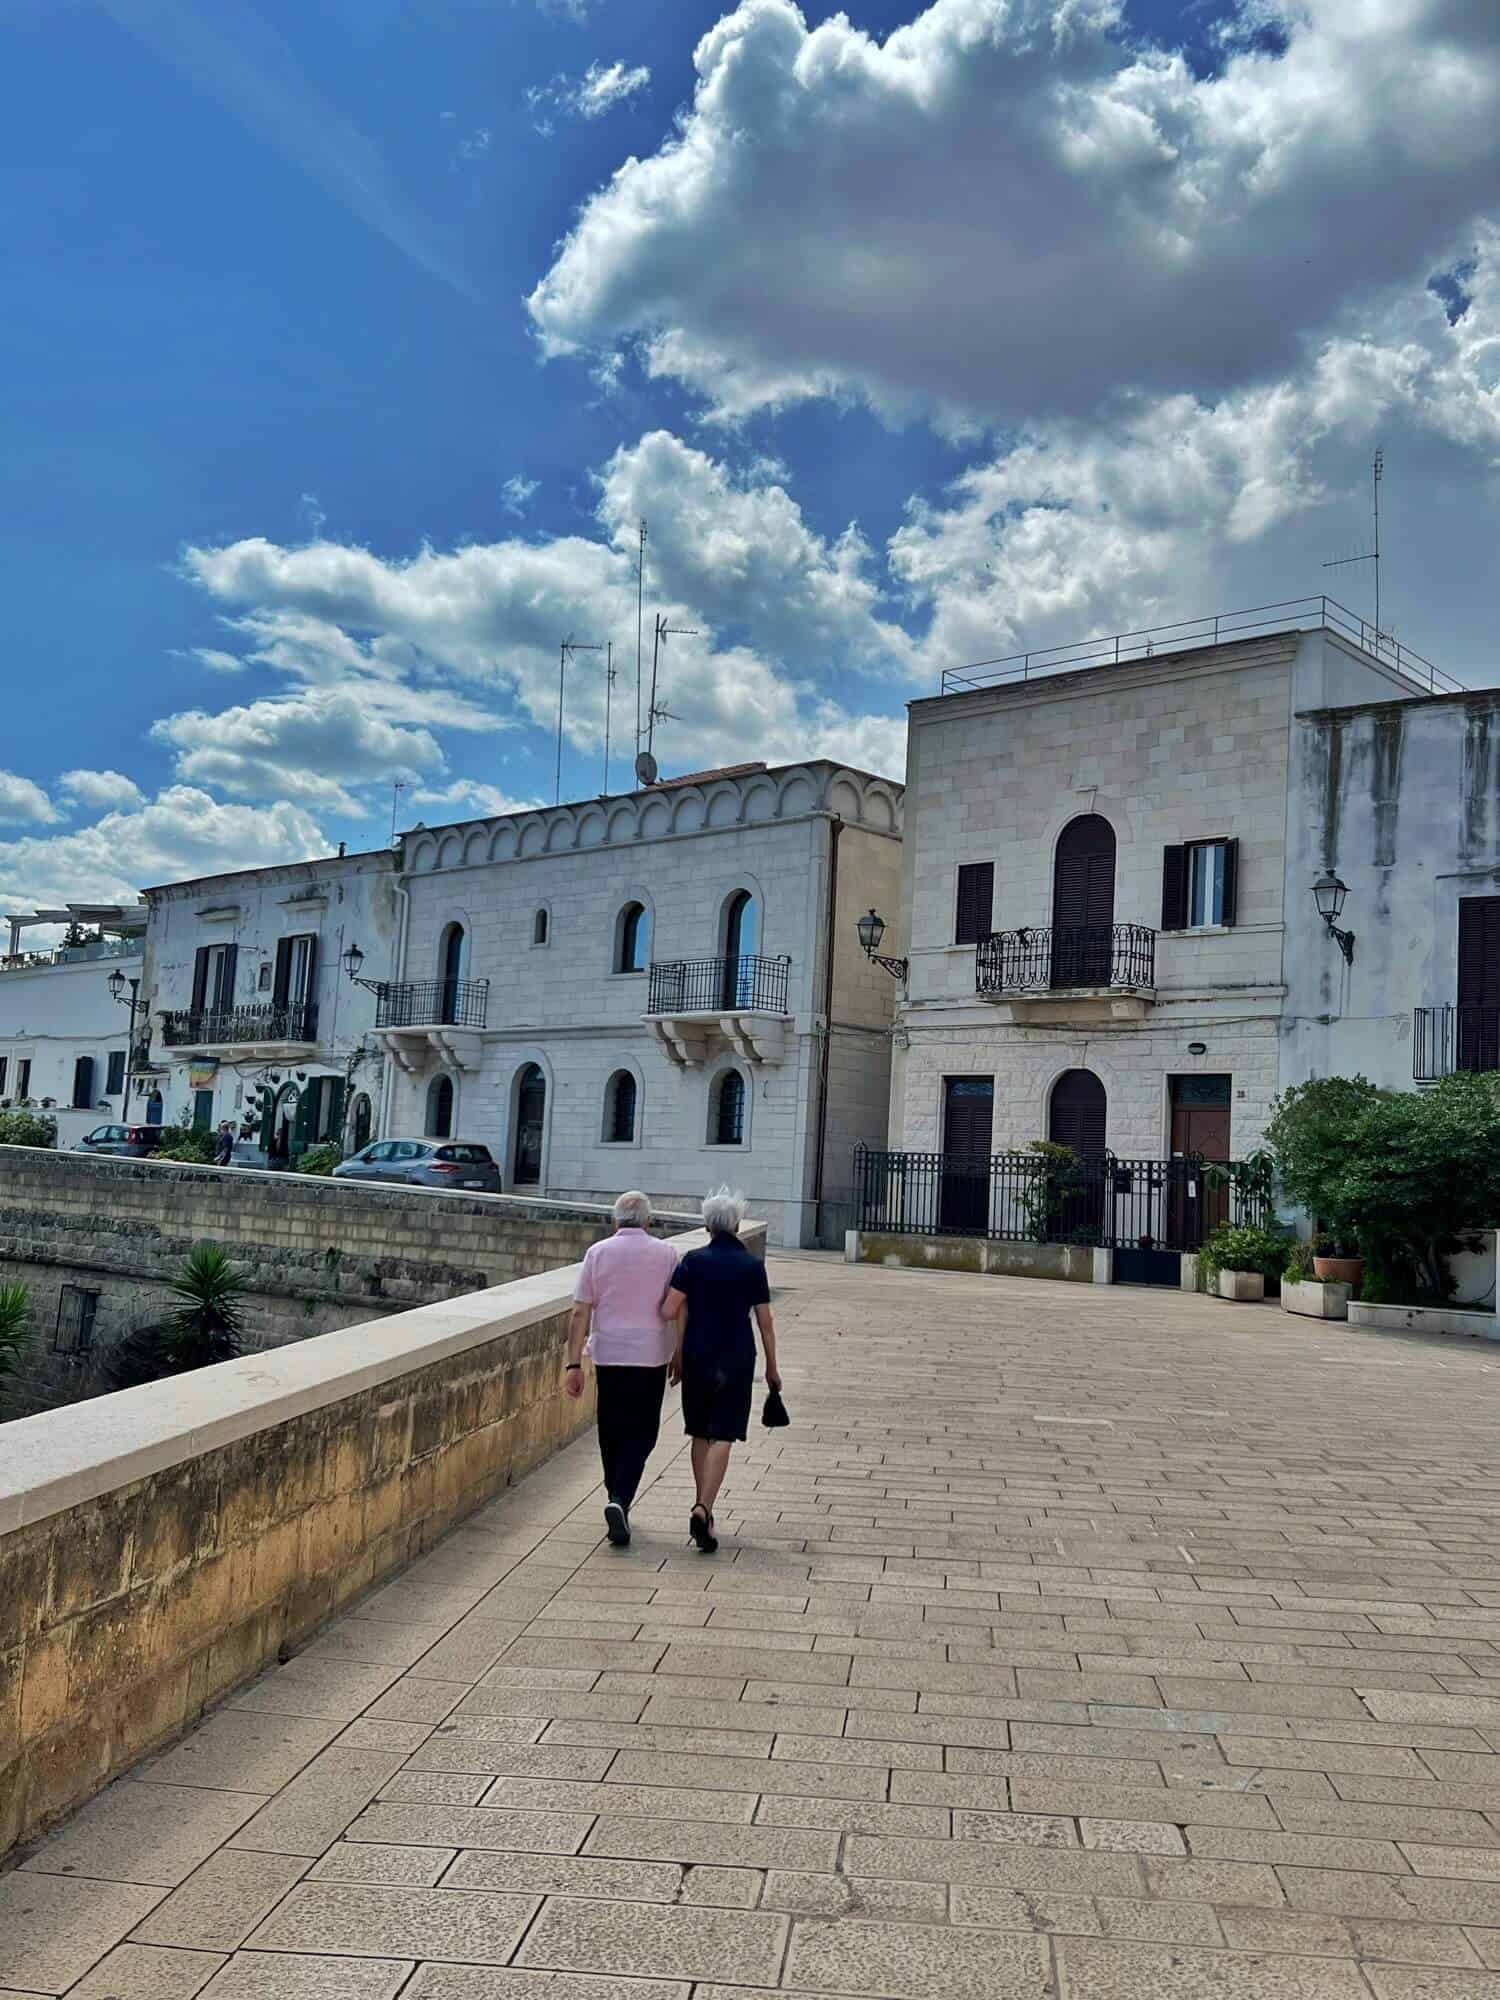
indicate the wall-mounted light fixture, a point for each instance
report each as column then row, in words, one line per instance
column 871, row 930
column 354, row 959
column 1197, row 1048
column 1329, row 893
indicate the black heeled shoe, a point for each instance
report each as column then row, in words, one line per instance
column 701, row 1528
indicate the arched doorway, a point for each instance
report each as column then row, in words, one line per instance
column 440, row 1108
column 1077, row 1117
column 363, row 1122
column 531, row 1121
column 1083, row 903
column 452, row 960
column 741, row 942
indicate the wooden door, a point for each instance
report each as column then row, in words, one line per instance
column 531, row 1117
column 1478, row 1038
column 1083, row 903
column 1200, row 1131
column 1078, row 1118
column 968, row 1125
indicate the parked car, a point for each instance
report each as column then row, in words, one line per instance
column 129, row 1142
column 438, row 1163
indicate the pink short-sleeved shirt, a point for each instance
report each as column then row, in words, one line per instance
column 625, row 1279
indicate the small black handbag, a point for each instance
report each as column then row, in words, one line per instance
column 774, row 1415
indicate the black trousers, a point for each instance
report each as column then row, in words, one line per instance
column 629, row 1419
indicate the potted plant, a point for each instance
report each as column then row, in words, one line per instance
column 1238, row 1258
column 1336, row 1257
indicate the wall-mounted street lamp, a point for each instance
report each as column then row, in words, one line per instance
column 117, row 983
column 354, row 959
column 871, row 930
column 1329, row 893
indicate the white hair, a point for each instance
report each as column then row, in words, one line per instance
column 723, row 1211
column 632, row 1210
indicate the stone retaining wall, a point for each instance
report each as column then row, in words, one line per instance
column 160, row 1546
column 1069, row 1261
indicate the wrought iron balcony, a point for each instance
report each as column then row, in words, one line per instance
column 1060, row 958
column 239, row 1027
column 745, row 985
column 432, row 1003
column 1445, row 1039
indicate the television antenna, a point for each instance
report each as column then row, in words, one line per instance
column 609, row 690
column 645, row 768
column 565, row 651
column 1372, row 555
column 640, row 604
column 398, row 786
column 657, row 712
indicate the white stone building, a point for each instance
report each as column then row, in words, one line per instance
column 251, row 1016
column 64, row 1041
column 1106, row 910
column 662, row 989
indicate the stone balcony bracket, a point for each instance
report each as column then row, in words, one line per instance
column 415, row 1049
column 688, row 1040
column 1079, row 1007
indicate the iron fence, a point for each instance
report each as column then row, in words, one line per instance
column 750, row 983
column 1445, row 1039
column 1092, row 1199
column 429, row 1003
column 1054, row 957
column 1295, row 614
column 235, row 1026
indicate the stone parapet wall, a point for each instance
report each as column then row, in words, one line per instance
column 161, row 1546
column 316, row 1253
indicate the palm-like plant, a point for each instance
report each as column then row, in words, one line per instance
column 209, row 1325
column 15, row 1328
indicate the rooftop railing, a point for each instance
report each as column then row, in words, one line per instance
column 1293, row 614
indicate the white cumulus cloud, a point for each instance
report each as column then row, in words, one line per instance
column 100, row 788
column 23, row 802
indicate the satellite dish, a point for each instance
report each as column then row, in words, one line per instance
column 645, row 768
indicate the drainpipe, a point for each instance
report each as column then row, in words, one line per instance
column 398, row 966
column 830, row 941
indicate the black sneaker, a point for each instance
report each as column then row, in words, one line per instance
column 617, row 1524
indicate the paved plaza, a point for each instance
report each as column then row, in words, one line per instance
column 1074, row 1644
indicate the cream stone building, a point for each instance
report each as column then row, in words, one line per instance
column 661, row 990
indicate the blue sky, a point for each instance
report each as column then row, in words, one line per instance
column 919, row 333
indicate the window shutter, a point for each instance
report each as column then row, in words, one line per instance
column 224, row 983
column 114, row 1081
column 1231, row 882
column 976, row 898
column 83, row 1084
column 1479, row 951
column 281, row 989
column 200, row 978
column 1174, row 888
column 333, row 1124
column 310, row 997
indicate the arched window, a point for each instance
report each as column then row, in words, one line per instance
column 619, row 1109
column 1078, row 1113
column 741, row 936
column 440, row 1108
column 531, row 1125
column 539, row 927
column 727, row 1123
column 362, row 1123
column 452, row 965
column 631, row 939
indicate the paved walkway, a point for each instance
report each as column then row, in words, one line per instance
column 1073, row 1643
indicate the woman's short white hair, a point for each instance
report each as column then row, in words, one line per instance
column 723, row 1211
column 632, row 1210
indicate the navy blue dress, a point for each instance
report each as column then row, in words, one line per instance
column 721, row 1284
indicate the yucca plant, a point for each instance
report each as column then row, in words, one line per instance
column 15, row 1328
column 209, row 1325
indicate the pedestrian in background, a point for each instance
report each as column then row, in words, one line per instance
column 618, row 1321
column 714, row 1293
column 224, row 1144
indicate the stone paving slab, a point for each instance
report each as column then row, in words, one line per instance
column 1073, row 1644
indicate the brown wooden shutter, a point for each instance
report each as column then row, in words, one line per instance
column 200, row 978
column 973, row 919
column 281, row 988
column 1231, row 882
column 1174, row 888
column 1083, row 883
column 1479, row 951
column 83, row 1084
column 1079, row 1112
column 228, row 975
column 968, row 1116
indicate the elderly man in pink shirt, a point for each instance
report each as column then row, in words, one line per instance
column 621, row 1287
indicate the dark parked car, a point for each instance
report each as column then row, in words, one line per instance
column 128, row 1142
column 439, row 1163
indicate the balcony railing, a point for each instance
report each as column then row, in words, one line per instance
column 433, row 1003
column 234, row 1027
column 1445, row 1039
column 1067, row 958
column 751, row 985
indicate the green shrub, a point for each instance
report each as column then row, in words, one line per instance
column 207, row 1326
column 1310, row 1133
column 27, row 1128
column 1242, row 1246
column 15, row 1328
column 191, row 1144
column 1298, row 1268
column 319, row 1160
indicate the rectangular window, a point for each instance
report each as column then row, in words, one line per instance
column 4, row 1073
column 1205, row 885
column 23, row 1076
column 1199, row 885
column 83, row 1083
column 973, row 917
column 114, row 1081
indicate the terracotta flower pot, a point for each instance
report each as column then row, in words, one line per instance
column 1343, row 1270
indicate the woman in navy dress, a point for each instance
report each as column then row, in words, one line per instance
column 717, row 1289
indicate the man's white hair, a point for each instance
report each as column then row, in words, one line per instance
column 632, row 1210
column 723, row 1211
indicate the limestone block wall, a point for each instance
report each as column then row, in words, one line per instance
column 161, row 1546
column 317, row 1253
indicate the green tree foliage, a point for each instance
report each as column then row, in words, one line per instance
column 1309, row 1135
column 193, row 1146
column 27, row 1128
column 15, row 1329
column 319, row 1160
column 207, row 1326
